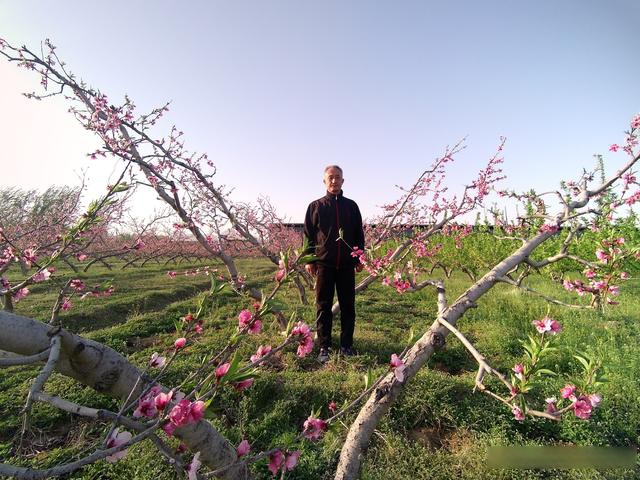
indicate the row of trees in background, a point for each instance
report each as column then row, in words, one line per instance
column 576, row 231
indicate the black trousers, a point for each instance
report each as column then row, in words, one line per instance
column 343, row 281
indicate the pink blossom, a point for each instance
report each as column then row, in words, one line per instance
column 614, row 290
column 169, row 428
column 567, row 391
column 303, row 331
column 519, row 370
column 291, row 460
column 172, row 274
column 20, row 294
column 221, row 370
column 41, row 276
column 157, row 361
column 186, row 412
column 595, row 399
column 198, row 328
column 197, row 411
column 582, row 408
column 77, row 284
column 66, row 304
column 314, row 428
column 243, row 384
column 549, row 228
column 162, row 400
column 280, row 274
column 333, row 407
column 568, row 285
column 614, row 147
column 115, row 440
column 256, row 327
column 398, row 367
column 81, row 257
column 139, row 245
column 29, row 256
column 305, row 347
column 601, row 255
column 243, row 448
column 518, row 414
column 276, row 461
column 547, row 325
column 599, row 285
column 550, row 405
column 589, row 273
column 146, row 408
column 624, row 275
column 192, row 468
column 261, row 352
column 180, row 343
column 244, row 318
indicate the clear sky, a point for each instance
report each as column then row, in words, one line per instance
column 275, row 90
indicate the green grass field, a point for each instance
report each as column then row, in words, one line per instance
column 438, row 429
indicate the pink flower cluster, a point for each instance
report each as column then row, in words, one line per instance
column 280, row 461
column 314, row 428
column 184, row 413
column 582, row 405
column 401, row 285
column 247, row 321
column 305, row 345
column 261, row 352
column 547, row 325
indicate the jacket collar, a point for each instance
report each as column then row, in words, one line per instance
column 331, row 196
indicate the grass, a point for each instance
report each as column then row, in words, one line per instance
column 439, row 428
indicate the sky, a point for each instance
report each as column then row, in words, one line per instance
column 275, row 90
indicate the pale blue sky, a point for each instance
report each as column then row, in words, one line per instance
column 275, row 90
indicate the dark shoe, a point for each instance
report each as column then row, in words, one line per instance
column 347, row 351
column 323, row 356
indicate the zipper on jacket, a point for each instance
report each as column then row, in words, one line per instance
column 338, row 226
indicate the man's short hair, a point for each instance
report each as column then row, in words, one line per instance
column 332, row 166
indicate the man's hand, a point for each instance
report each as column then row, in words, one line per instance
column 359, row 267
column 311, row 268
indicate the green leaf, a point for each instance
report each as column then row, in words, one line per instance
column 545, row 371
column 368, row 378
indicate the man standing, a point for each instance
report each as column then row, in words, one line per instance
column 333, row 227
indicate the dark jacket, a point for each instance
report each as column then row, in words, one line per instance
column 324, row 218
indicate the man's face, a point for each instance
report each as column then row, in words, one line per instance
column 333, row 180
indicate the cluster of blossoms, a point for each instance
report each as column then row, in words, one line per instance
column 547, row 325
column 458, row 232
column 305, row 338
column 605, row 276
column 261, row 352
column 184, row 412
column 314, row 428
column 423, row 250
column 279, row 461
column 249, row 322
column 374, row 266
column 399, row 282
column 582, row 405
